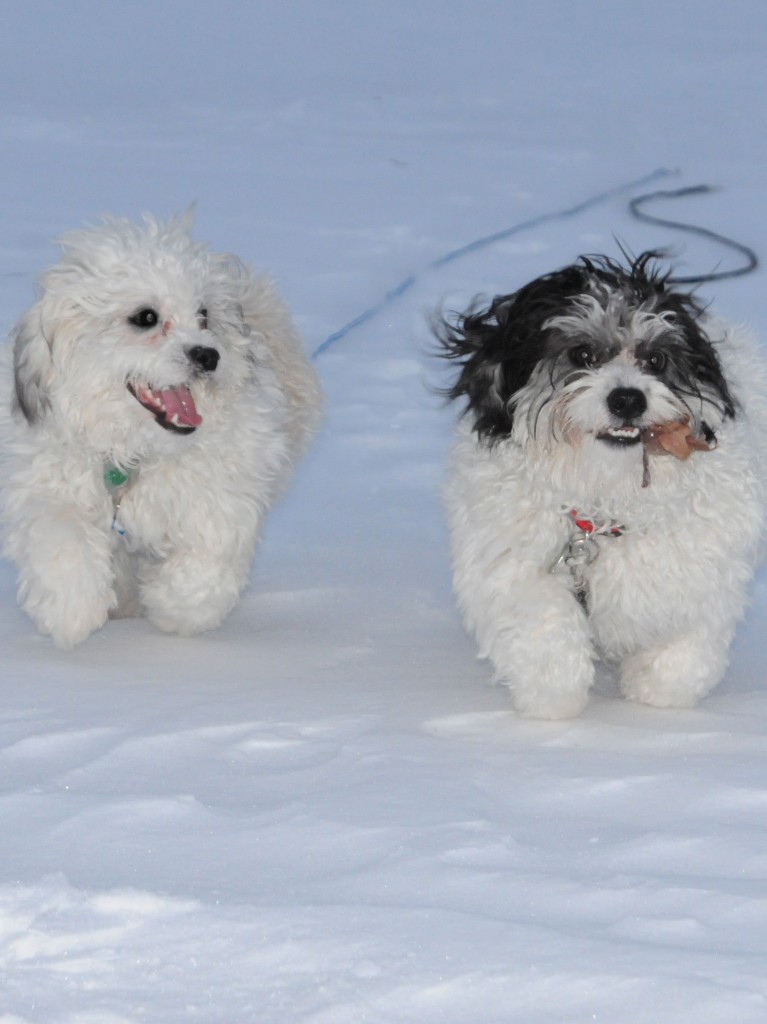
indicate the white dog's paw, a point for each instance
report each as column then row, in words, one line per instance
column 190, row 593
column 674, row 675
column 70, row 616
column 66, row 584
column 67, row 635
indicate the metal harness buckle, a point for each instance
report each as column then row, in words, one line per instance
column 579, row 551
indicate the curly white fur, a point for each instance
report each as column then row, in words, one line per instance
column 229, row 402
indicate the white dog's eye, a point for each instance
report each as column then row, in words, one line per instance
column 657, row 361
column 582, row 355
column 202, row 316
column 145, row 318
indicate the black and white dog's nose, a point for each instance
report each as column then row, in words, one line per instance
column 626, row 403
column 203, row 357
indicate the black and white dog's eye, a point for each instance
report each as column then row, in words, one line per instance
column 582, row 355
column 145, row 318
column 657, row 361
column 202, row 316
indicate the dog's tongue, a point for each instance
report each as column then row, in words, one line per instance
column 179, row 403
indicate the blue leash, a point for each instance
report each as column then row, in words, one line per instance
column 481, row 243
column 751, row 260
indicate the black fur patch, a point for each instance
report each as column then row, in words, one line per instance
column 499, row 347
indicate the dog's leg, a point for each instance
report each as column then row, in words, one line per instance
column 192, row 590
column 678, row 673
column 65, row 575
column 537, row 637
column 126, row 585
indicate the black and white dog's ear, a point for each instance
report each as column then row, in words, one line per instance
column 497, row 348
column 32, row 361
column 480, row 343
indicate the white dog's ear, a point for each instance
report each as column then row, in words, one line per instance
column 274, row 339
column 32, row 362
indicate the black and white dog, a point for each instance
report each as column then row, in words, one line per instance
column 605, row 497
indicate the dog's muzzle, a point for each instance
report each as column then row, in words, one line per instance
column 204, row 358
column 627, row 405
column 174, row 408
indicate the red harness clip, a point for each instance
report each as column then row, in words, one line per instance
column 587, row 526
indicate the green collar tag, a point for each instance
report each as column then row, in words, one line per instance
column 115, row 477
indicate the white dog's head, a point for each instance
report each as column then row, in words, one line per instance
column 137, row 339
column 595, row 356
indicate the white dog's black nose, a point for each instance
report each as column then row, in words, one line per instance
column 204, row 357
column 626, row 403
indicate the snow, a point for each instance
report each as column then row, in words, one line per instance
column 324, row 813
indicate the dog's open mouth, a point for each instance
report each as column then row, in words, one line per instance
column 173, row 408
column 624, row 435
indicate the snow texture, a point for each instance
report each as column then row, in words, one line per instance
column 323, row 812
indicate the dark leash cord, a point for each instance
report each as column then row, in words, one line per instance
column 751, row 260
column 635, row 206
column 549, row 216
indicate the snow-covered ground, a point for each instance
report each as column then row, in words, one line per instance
column 323, row 813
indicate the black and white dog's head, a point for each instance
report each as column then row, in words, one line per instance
column 595, row 350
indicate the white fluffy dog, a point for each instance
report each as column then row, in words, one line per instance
column 606, row 492
column 160, row 396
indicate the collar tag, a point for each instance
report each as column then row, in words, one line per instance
column 115, row 480
column 115, row 477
